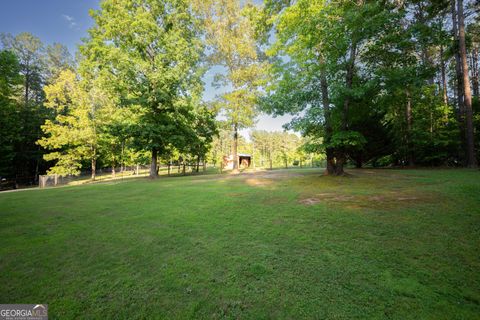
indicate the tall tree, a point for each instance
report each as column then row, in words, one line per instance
column 205, row 129
column 58, row 58
column 320, row 77
column 73, row 136
column 462, row 52
column 32, row 114
column 150, row 51
column 232, row 35
column 30, row 51
column 10, row 79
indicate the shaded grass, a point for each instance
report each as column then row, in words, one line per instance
column 227, row 247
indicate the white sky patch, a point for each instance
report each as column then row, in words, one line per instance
column 70, row 20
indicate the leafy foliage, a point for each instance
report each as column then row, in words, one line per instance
column 359, row 78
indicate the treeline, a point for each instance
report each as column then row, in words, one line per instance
column 132, row 96
column 135, row 89
column 57, row 117
column 368, row 82
column 377, row 82
column 269, row 149
column 134, row 93
column 26, row 66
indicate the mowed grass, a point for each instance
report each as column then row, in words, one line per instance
column 292, row 244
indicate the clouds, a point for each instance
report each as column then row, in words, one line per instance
column 72, row 24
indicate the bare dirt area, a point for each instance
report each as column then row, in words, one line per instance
column 387, row 190
column 388, row 200
column 258, row 177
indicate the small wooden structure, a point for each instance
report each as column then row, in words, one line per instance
column 244, row 161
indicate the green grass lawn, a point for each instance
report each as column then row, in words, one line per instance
column 291, row 244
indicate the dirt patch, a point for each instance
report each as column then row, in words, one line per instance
column 377, row 198
column 334, row 197
column 215, row 178
column 255, row 182
column 309, row 201
column 406, row 198
column 383, row 200
column 273, row 174
column 326, row 197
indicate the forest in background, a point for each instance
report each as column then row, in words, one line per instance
column 381, row 83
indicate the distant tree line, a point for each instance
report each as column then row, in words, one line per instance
column 26, row 66
column 268, row 149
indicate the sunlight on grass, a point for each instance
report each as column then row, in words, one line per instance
column 378, row 244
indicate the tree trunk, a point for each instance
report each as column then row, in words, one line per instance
column 235, row 147
column 153, row 164
column 444, row 77
column 341, row 159
column 336, row 159
column 331, row 165
column 340, row 154
column 348, row 85
column 36, row 171
column 408, row 134
column 328, row 125
column 475, row 84
column 421, row 18
column 94, row 168
column 459, row 78
column 169, row 165
column 198, row 164
column 253, row 155
column 471, row 157
column 113, row 167
column 358, row 161
column 122, row 160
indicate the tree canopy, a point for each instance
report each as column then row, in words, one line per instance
column 380, row 83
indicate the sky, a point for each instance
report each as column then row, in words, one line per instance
column 67, row 22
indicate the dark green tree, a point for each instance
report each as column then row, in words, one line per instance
column 10, row 79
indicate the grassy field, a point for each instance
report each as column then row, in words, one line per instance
column 287, row 244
